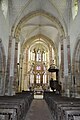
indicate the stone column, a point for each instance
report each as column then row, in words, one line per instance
column 11, row 86
column 66, row 68
column 50, row 55
column 69, row 54
column 66, row 65
column 15, row 66
column 26, row 72
column 2, row 69
column 69, row 65
column 50, row 60
column 25, row 67
column 62, row 58
column 62, row 65
column 8, row 66
column 21, row 71
column 11, row 74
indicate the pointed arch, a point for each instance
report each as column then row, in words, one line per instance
column 76, row 67
column 76, row 58
column 26, row 18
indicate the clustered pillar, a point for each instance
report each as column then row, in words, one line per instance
column 66, row 65
column 11, row 67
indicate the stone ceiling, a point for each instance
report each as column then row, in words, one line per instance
column 29, row 18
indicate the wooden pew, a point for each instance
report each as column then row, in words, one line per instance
column 18, row 104
column 8, row 114
column 63, row 107
column 71, row 114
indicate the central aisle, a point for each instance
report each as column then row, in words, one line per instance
column 39, row 111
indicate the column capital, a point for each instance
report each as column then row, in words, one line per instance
column 65, row 37
column 61, row 37
column 12, row 37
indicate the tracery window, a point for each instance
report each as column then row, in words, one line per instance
column 32, row 55
column 38, row 55
column 38, row 58
column 44, row 55
column 38, row 78
column 74, row 8
column 44, row 78
column 38, row 67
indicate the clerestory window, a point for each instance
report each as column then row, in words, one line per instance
column 74, row 8
column 4, row 7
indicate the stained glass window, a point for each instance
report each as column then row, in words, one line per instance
column 4, row 7
column 38, row 68
column 38, row 58
column 74, row 8
column 44, row 79
column 38, row 78
column 44, row 56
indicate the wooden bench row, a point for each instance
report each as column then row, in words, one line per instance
column 15, row 107
column 63, row 108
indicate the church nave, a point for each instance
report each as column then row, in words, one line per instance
column 39, row 111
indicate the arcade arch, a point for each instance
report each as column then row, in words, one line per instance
column 55, row 23
column 37, row 56
column 76, row 68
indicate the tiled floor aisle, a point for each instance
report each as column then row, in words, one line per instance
column 38, row 111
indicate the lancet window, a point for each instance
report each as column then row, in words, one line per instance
column 74, row 8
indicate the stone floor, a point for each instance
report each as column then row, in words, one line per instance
column 39, row 111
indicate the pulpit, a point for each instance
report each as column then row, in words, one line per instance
column 54, row 81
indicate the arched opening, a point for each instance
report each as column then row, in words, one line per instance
column 76, row 69
column 35, row 40
column 34, row 63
